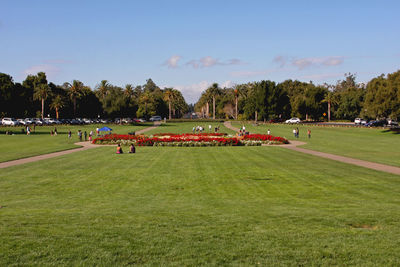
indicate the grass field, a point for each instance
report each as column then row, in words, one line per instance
column 41, row 142
column 371, row 144
column 187, row 127
column 198, row 206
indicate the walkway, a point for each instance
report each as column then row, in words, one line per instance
column 85, row 146
column 366, row 164
column 155, row 125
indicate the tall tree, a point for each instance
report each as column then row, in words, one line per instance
column 42, row 92
column 168, row 97
column 102, row 89
column 74, row 91
column 57, row 104
column 213, row 91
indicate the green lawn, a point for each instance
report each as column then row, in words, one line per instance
column 187, row 127
column 41, row 142
column 264, row 206
column 371, row 144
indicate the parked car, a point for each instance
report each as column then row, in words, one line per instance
column 9, row 122
column 276, row 120
column 293, row 120
column 376, row 123
column 391, row 122
column 360, row 121
column 155, row 118
column 21, row 121
column 126, row 120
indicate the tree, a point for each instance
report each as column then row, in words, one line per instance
column 213, row 91
column 102, row 89
column 57, row 104
column 168, row 97
column 382, row 98
column 330, row 99
column 350, row 97
column 74, row 91
column 42, row 92
column 6, row 89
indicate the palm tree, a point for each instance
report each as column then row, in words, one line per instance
column 330, row 98
column 168, row 96
column 236, row 92
column 75, row 91
column 57, row 104
column 128, row 90
column 145, row 98
column 42, row 91
column 103, row 88
column 213, row 92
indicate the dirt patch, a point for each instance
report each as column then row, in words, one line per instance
column 363, row 226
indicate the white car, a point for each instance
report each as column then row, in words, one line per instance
column 9, row 122
column 359, row 121
column 21, row 121
column 155, row 118
column 293, row 120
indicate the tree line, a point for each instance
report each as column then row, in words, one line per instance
column 36, row 97
column 264, row 100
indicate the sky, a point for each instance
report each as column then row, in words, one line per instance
column 188, row 45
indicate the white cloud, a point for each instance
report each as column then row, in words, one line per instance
column 50, row 70
column 281, row 60
column 208, row 61
column 303, row 63
column 173, row 61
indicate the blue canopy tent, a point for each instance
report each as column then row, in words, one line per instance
column 105, row 129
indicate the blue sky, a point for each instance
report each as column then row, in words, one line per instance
column 191, row 44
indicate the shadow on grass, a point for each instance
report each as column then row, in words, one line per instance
column 392, row 130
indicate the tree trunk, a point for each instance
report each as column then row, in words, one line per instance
column 236, row 108
column 57, row 113
column 213, row 107
column 169, row 107
column 42, row 108
column 329, row 111
column 207, row 110
column 75, row 107
column 256, row 116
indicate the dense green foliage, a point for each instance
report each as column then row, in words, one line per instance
column 35, row 97
column 262, row 100
column 262, row 206
column 266, row 100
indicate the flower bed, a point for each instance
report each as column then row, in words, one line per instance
column 190, row 140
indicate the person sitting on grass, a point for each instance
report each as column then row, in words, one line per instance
column 119, row 149
column 132, row 149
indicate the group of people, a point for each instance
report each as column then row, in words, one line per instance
column 242, row 131
column 296, row 133
column 200, row 129
column 84, row 134
column 132, row 149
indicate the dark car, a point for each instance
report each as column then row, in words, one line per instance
column 376, row 123
column 276, row 120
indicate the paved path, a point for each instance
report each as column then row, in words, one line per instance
column 155, row 125
column 84, row 146
column 228, row 125
column 366, row 164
